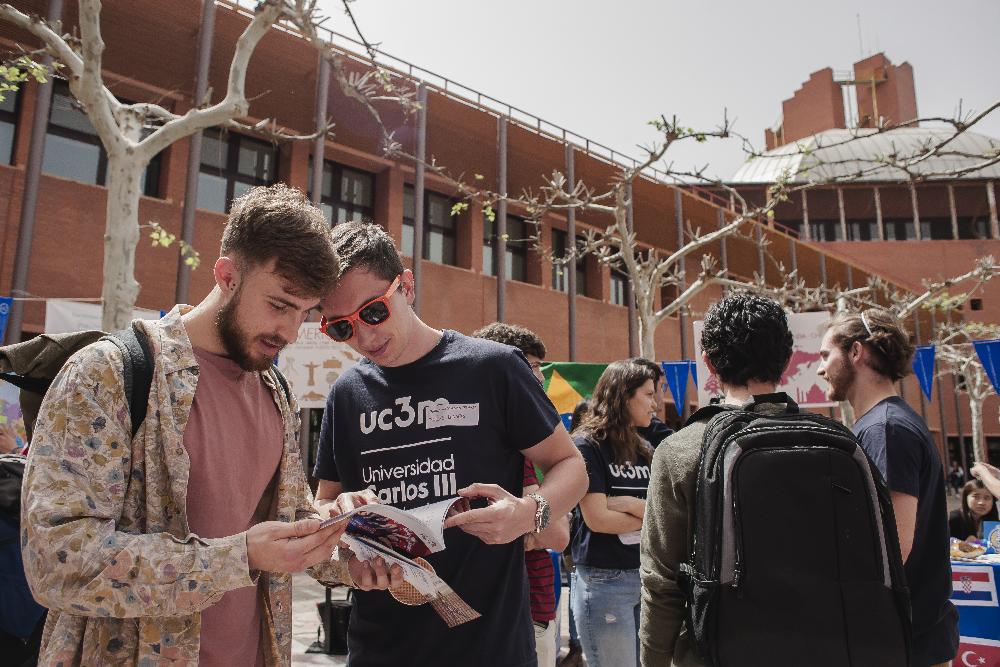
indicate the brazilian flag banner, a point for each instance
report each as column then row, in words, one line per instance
column 567, row 383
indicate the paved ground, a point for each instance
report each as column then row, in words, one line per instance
column 305, row 621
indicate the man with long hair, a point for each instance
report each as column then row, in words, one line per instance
column 863, row 356
column 746, row 343
column 177, row 544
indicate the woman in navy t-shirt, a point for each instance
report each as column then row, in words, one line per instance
column 605, row 590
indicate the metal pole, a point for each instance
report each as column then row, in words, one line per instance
column 319, row 144
column 633, row 329
column 953, row 211
column 723, row 254
column 793, row 253
column 916, row 213
column 991, row 197
column 29, row 198
column 822, row 269
column 940, row 398
column 571, row 243
column 205, row 36
column 916, row 336
column 879, row 224
column 419, row 196
column 806, row 232
column 843, row 218
column 681, row 315
column 501, row 218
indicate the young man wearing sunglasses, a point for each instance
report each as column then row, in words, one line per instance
column 174, row 545
column 426, row 416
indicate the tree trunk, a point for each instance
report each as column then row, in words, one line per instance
column 978, row 448
column 647, row 331
column 121, row 236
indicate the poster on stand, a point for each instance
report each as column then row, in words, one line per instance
column 799, row 380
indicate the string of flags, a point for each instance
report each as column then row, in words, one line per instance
column 987, row 350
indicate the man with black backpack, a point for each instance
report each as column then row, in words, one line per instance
column 863, row 356
column 171, row 540
column 768, row 537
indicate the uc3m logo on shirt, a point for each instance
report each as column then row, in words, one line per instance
column 405, row 416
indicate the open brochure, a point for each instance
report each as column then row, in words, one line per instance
column 403, row 538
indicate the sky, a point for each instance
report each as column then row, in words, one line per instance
column 605, row 69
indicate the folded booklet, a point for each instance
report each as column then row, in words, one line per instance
column 403, row 537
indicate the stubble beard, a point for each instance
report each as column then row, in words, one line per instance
column 235, row 340
column 841, row 381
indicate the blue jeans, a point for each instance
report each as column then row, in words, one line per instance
column 606, row 609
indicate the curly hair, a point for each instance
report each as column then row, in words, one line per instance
column 278, row 222
column 882, row 334
column 367, row 246
column 746, row 337
column 608, row 418
column 516, row 336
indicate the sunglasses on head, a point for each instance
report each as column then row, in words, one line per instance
column 373, row 313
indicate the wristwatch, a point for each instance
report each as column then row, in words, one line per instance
column 541, row 513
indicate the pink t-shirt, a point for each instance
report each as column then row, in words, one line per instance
column 234, row 438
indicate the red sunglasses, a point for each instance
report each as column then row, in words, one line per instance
column 373, row 313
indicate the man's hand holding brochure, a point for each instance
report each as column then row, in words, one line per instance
column 400, row 539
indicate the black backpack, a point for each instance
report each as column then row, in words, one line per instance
column 795, row 558
column 33, row 364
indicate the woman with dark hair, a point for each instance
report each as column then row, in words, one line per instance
column 605, row 587
column 978, row 505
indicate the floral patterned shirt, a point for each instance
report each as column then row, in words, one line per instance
column 105, row 536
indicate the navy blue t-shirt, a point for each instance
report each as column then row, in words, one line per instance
column 655, row 433
column 605, row 476
column 377, row 435
column 898, row 442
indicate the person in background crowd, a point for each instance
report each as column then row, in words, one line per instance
column 541, row 573
column 746, row 343
column 381, row 419
column 657, row 430
column 978, row 505
column 956, row 478
column 862, row 356
column 574, row 657
column 605, row 592
column 177, row 545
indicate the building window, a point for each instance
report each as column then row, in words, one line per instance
column 560, row 273
column 973, row 228
column 899, row 230
column 862, row 230
column 74, row 151
column 8, row 125
column 619, row 287
column 231, row 164
column 825, row 230
column 440, row 227
column 348, row 194
column 939, row 229
column 517, row 249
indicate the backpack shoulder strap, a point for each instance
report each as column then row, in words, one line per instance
column 706, row 413
column 137, row 371
column 284, row 384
